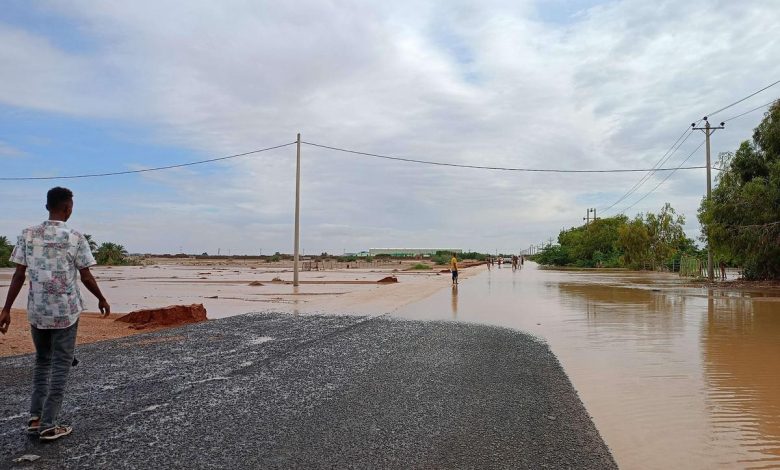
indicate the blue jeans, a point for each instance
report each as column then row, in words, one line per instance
column 54, row 351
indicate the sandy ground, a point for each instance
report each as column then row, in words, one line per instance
column 92, row 327
column 225, row 291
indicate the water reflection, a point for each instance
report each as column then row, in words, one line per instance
column 455, row 302
column 626, row 313
column 741, row 349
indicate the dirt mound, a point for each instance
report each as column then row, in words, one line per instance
column 256, row 283
column 387, row 280
column 165, row 316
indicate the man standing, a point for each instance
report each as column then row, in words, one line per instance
column 454, row 269
column 53, row 253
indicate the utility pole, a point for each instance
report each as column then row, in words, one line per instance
column 297, row 210
column 588, row 219
column 708, row 131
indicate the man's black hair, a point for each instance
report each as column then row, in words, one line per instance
column 57, row 197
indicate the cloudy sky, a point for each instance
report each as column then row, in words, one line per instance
column 100, row 86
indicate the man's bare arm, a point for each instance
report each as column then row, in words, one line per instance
column 91, row 284
column 17, row 281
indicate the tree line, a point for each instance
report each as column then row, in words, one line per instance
column 648, row 240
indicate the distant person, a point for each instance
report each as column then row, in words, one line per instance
column 500, row 260
column 53, row 253
column 522, row 260
column 514, row 262
column 454, row 269
column 723, row 270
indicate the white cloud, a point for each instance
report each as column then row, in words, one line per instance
column 7, row 150
column 466, row 82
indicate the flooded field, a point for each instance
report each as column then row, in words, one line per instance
column 674, row 377
column 227, row 290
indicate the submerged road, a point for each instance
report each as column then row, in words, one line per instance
column 282, row 391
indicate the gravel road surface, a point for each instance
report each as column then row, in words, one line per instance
column 282, row 391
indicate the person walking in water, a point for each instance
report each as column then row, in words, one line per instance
column 454, row 269
column 55, row 255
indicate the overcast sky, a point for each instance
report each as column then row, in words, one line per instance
column 94, row 86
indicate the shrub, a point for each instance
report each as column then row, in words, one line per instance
column 421, row 266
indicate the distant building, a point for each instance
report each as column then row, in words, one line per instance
column 410, row 251
column 362, row 254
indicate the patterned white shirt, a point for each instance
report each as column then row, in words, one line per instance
column 53, row 254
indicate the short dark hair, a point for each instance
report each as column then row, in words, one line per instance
column 57, row 197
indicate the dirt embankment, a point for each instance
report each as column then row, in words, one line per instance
column 738, row 284
column 95, row 327
column 92, row 327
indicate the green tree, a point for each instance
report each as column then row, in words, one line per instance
column 92, row 243
column 5, row 252
column 666, row 234
column 634, row 241
column 743, row 217
column 111, row 254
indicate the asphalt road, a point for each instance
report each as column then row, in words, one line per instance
column 283, row 391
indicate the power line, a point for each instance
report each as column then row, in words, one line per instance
column 128, row 172
column 752, row 110
column 663, row 180
column 664, row 158
column 497, row 168
column 743, row 99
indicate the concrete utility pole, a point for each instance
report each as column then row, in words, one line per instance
column 297, row 210
column 708, row 131
column 588, row 219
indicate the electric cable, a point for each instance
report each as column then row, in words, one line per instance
column 497, row 168
column 128, row 172
column 663, row 180
column 752, row 110
column 664, row 158
column 743, row 99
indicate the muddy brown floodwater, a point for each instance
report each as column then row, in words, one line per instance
column 674, row 377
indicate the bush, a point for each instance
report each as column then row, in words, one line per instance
column 421, row 266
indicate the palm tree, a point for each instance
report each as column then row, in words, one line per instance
column 92, row 243
column 110, row 254
column 5, row 253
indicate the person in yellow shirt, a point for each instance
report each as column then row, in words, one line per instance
column 454, row 269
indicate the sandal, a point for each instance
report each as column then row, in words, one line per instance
column 33, row 425
column 55, row 433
